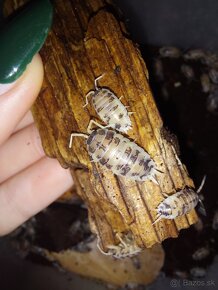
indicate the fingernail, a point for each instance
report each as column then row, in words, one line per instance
column 21, row 37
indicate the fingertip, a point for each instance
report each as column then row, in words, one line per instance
column 35, row 74
column 35, row 68
column 29, row 84
column 30, row 191
column 16, row 98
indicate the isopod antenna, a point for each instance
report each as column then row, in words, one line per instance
column 92, row 92
column 201, row 208
column 202, row 184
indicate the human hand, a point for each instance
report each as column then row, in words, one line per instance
column 29, row 181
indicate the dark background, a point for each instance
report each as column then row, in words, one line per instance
column 184, row 23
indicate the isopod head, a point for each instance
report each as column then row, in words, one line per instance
column 109, row 108
column 166, row 210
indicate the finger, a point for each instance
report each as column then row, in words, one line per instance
column 20, row 151
column 30, row 191
column 16, row 102
column 26, row 121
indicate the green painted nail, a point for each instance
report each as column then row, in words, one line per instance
column 22, row 36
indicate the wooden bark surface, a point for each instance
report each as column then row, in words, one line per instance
column 86, row 41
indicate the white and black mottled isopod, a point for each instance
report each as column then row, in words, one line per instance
column 119, row 154
column 109, row 108
column 179, row 203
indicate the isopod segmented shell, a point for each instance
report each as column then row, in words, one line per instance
column 109, row 108
column 179, row 203
column 120, row 155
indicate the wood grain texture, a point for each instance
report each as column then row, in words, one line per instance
column 86, row 41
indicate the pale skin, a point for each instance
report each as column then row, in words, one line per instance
column 29, row 181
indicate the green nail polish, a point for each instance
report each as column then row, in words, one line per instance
column 22, row 36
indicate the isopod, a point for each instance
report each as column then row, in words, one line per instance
column 211, row 60
column 158, row 69
column 170, row 51
column 179, row 203
column 109, row 108
column 180, row 274
column 205, row 83
column 188, row 71
column 215, row 221
column 118, row 154
column 213, row 73
column 198, row 272
column 201, row 254
column 126, row 248
column 212, row 102
column 194, row 54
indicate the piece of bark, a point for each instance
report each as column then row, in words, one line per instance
column 141, row 270
column 86, row 41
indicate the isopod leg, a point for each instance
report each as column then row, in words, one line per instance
column 165, row 194
column 131, row 113
column 100, row 248
column 176, row 156
column 201, row 208
column 97, row 124
column 87, row 95
column 121, row 240
column 76, row 135
column 96, row 81
column 153, row 179
column 158, row 217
